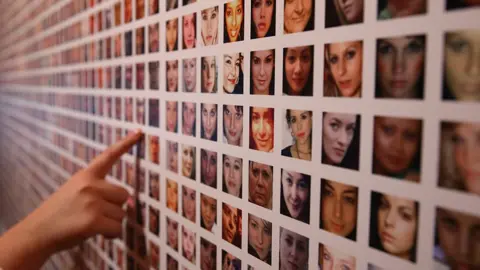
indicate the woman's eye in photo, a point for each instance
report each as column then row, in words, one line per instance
column 291, row 59
column 351, row 54
column 350, row 200
column 385, row 48
column 458, row 46
column 333, row 59
column 236, row 167
column 415, row 46
column 335, row 126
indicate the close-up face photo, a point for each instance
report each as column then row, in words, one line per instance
column 293, row 250
column 189, row 31
column 172, row 116
column 262, row 72
column 209, row 74
column 298, row 16
column 397, row 145
column 340, row 12
column 140, row 41
column 208, row 255
column 153, row 68
column 295, row 195
column 260, row 238
column 189, row 75
column 208, row 168
column 172, row 34
column 232, row 175
column 298, row 134
column 260, row 184
column 153, row 38
column 338, row 208
column 298, row 71
column 232, row 225
column 460, row 80
column 263, row 18
column 152, row 7
column 341, row 139
column 209, row 116
column 331, row 258
column 154, row 149
column 189, row 118
column 393, row 9
column 188, row 203
column 262, row 129
column 234, row 15
column 209, row 26
column 400, row 67
column 233, row 124
column 188, row 161
column 154, row 187
column 233, row 73
column 230, row 262
column 189, row 244
column 343, row 69
column 172, row 233
column 208, row 212
column 172, row 156
column 172, row 76
column 172, row 195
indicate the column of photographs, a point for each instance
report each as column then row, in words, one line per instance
column 287, row 169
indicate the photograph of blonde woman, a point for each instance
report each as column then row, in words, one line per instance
column 263, row 18
column 209, row 116
column 231, row 225
column 208, row 213
column 260, row 184
column 233, row 124
column 260, row 238
column 295, row 195
column 208, row 168
column 298, row 134
column 262, row 70
column 172, row 195
column 209, row 74
column 189, row 244
column 172, row 34
column 343, row 69
column 188, row 161
column 172, row 156
column 154, row 187
column 293, row 250
column 461, row 4
column 233, row 23
column 189, row 31
column 397, row 147
column 262, row 129
column 338, row 208
column 393, row 9
column 298, row 16
column 172, row 75
column 400, row 70
column 172, row 116
column 460, row 156
column 189, row 208
column 172, row 233
column 209, row 26
column 456, row 240
column 232, row 168
column 330, row 258
column 393, row 225
column 189, row 118
column 208, row 255
column 341, row 140
column 298, row 71
column 171, row 4
column 341, row 12
column 460, row 79
column 189, row 75
column 233, row 73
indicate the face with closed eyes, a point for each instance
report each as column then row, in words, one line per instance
column 262, row 14
column 209, row 120
column 338, row 131
column 293, row 250
column 335, row 259
column 190, row 74
column 295, row 192
column 263, row 64
column 234, row 19
column 188, row 161
column 232, row 174
column 345, row 63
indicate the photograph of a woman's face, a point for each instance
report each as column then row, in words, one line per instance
column 233, row 124
column 233, row 21
column 189, row 244
column 298, row 134
column 394, row 225
column 189, row 75
column 456, row 240
column 262, row 72
column 209, row 74
column 154, row 148
column 460, row 79
column 172, row 116
column 460, row 156
column 208, row 255
column 209, row 116
column 401, row 67
column 172, row 195
column 262, row 129
column 230, row 262
column 209, row 26
column 295, row 195
column 397, row 145
column 189, row 208
column 208, row 212
column 172, row 233
column 154, row 187
column 154, row 220
column 298, row 16
column 233, row 73
column 189, row 118
column 298, row 71
column 341, row 140
column 232, row 225
column 293, row 250
column 343, row 69
column 260, row 184
column 330, row 258
column 189, row 31
column 208, row 168
column 340, row 12
column 232, row 168
column 153, row 68
column 260, row 238
column 188, row 161
column 263, row 18
column 153, row 38
column 461, row 4
column 171, row 4
column 392, row 9
column 172, row 75
column 338, row 208
column 172, row 35
column 172, row 264
column 172, row 156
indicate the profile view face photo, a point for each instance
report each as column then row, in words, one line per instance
column 298, row 16
column 232, row 169
column 209, row 117
column 232, row 225
column 208, row 168
column 210, row 19
column 262, row 129
column 209, row 76
column 234, row 14
column 295, row 195
column 263, row 18
column 297, row 134
column 262, row 72
column 339, row 12
column 260, row 238
column 260, row 184
column 189, row 73
column 233, row 73
column 233, row 125
column 298, row 70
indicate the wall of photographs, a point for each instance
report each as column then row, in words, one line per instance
column 288, row 134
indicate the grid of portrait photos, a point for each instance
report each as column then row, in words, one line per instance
column 288, row 134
